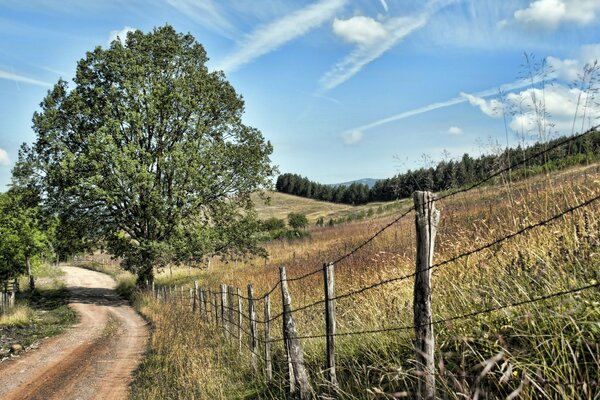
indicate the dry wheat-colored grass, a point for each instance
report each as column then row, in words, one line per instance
column 541, row 350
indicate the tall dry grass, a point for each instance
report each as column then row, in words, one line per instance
column 545, row 349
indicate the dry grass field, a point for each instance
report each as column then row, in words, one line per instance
column 543, row 349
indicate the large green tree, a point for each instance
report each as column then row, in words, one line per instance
column 147, row 150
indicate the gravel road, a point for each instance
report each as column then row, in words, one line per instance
column 93, row 360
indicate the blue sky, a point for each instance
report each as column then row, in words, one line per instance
column 343, row 89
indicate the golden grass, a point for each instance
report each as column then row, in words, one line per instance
column 19, row 315
column 281, row 204
column 539, row 344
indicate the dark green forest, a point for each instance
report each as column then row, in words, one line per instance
column 451, row 174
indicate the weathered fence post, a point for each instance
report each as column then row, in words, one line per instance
column 295, row 347
column 216, row 299
column 329, row 279
column 252, row 316
column 231, row 309
column 203, row 305
column 240, row 319
column 192, row 300
column 427, row 218
column 268, row 365
column 195, row 298
column 224, row 321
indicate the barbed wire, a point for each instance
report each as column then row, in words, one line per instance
column 448, row 195
column 471, row 252
column 454, row 318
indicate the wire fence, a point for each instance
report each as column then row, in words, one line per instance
column 216, row 305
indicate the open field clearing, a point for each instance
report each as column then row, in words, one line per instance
column 540, row 348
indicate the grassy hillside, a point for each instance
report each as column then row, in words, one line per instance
column 546, row 349
column 281, row 204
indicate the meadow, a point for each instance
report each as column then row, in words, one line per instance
column 542, row 349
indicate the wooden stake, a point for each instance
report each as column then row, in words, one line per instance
column 252, row 316
column 295, row 347
column 329, row 279
column 427, row 219
column 268, row 365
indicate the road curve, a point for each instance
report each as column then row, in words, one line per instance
column 94, row 359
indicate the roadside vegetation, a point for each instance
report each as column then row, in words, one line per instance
column 37, row 314
column 544, row 349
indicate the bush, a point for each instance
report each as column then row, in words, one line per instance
column 297, row 220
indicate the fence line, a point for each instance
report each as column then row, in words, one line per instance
column 225, row 313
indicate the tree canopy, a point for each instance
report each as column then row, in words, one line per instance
column 147, row 151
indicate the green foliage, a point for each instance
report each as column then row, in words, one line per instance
column 320, row 221
column 297, row 220
column 147, row 151
column 22, row 239
column 273, row 224
column 449, row 174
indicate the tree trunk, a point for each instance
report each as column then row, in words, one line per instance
column 31, row 281
column 145, row 275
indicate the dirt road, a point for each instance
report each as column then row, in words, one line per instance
column 93, row 360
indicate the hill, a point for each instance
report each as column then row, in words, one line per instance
column 281, row 204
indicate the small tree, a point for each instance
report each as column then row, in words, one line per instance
column 297, row 220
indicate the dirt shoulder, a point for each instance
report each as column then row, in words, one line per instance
column 94, row 359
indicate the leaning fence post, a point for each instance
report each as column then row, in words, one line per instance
column 427, row 218
column 328, row 272
column 295, row 347
column 240, row 315
column 252, row 316
column 268, row 366
column 224, row 321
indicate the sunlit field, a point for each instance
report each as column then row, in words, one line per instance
column 541, row 349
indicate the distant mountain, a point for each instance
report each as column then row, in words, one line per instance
column 365, row 181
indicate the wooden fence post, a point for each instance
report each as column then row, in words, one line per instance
column 195, row 298
column 223, row 310
column 231, row 309
column 252, row 316
column 240, row 319
column 426, row 220
column 203, row 305
column 295, row 347
column 216, row 299
column 268, row 365
column 329, row 279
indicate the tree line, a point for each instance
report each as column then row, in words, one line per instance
column 448, row 174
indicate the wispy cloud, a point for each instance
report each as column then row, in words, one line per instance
column 4, row 158
column 463, row 98
column 373, row 39
column 269, row 37
column 455, row 130
column 206, row 12
column 22, row 79
column 352, row 137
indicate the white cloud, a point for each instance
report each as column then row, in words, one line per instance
column 352, row 137
column 491, row 108
column 4, row 158
column 397, row 29
column 454, row 130
column 23, row 79
column 269, row 37
column 560, row 108
column 550, row 14
column 121, row 34
column 359, row 30
column 373, row 40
